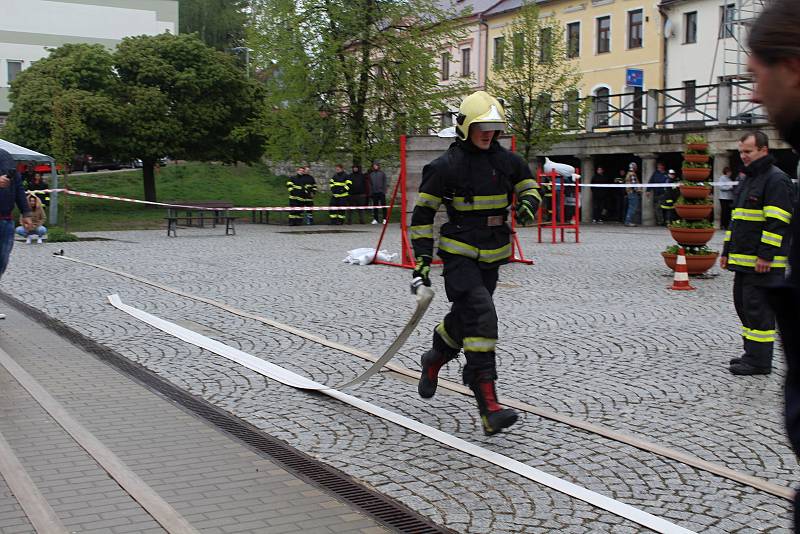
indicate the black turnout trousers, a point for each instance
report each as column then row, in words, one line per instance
column 750, row 294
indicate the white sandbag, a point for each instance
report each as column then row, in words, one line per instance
column 562, row 169
column 365, row 256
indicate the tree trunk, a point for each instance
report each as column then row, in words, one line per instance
column 148, row 173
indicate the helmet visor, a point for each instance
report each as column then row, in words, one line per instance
column 491, row 126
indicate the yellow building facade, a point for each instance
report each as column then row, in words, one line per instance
column 618, row 44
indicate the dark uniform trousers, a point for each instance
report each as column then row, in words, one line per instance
column 750, row 297
column 356, row 200
column 296, row 217
column 470, row 288
column 308, row 214
column 337, row 216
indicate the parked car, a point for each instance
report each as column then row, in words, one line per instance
column 87, row 163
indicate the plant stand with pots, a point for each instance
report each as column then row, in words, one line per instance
column 693, row 230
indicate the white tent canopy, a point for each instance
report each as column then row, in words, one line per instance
column 20, row 153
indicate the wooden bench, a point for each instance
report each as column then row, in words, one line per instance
column 218, row 213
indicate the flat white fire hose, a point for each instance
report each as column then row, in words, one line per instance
column 294, row 380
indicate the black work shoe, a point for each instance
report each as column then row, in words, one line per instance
column 735, row 360
column 494, row 422
column 744, row 369
column 429, row 378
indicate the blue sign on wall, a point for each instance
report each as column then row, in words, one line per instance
column 634, row 78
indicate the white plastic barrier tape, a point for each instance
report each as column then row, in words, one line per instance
column 203, row 208
column 294, row 380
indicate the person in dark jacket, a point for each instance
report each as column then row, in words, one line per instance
column 775, row 64
column 357, row 194
column 296, row 187
column 378, row 184
column 310, row 191
column 11, row 193
column 339, row 187
column 476, row 180
column 37, row 185
column 756, row 248
column 600, row 196
column 659, row 176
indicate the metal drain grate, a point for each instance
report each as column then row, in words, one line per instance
column 381, row 508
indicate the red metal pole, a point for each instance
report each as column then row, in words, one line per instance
column 553, row 221
column 578, row 208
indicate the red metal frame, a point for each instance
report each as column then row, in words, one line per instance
column 555, row 224
column 407, row 252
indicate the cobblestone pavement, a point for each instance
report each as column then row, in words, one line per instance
column 590, row 331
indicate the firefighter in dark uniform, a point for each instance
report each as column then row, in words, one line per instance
column 309, row 191
column 668, row 198
column 340, row 191
column 756, row 249
column 476, row 180
column 297, row 196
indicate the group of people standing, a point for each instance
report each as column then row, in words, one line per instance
column 347, row 190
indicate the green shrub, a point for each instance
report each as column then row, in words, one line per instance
column 694, row 201
column 691, row 225
column 58, row 235
column 691, row 251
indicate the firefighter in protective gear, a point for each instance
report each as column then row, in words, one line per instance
column 668, row 198
column 756, row 249
column 476, row 180
column 309, row 190
column 340, row 191
column 297, row 196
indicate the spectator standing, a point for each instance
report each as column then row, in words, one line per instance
column 340, row 189
column 600, row 196
column 38, row 216
column 632, row 195
column 620, row 201
column 755, row 249
column 725, row 196
column 357, row 194
column 659, row 194
column 378, row 183
column 11, row 193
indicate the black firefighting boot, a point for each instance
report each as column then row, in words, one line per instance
column 493, row 416
column 432, row 361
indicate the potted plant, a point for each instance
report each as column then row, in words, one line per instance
column 694, row 189
column 696, row 144
column 699, row 259
column 691, row 232
column 693, row 209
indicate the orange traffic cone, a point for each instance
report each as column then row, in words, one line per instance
column 681, row 280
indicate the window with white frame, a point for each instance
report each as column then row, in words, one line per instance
column 13, row 69
column 465, row 59
column 635, row 28
column 690, row 27
column 573, row 40
column 604, row 35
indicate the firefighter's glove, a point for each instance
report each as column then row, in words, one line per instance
column 422, row 270
column 526, row 210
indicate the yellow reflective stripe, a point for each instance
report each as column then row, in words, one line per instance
column 728, row 235
column 292, row 197
column 488, row 202
column 744, row 214
column 421, row 231
column 745, row 260
column 457, row 247
column 428, row 201
column 524, row 185
column 759, row 336
column 491, row 256
column 479, row 344
column 777, row 213
column 532, row 193
column 771, row 239
column 446, row 337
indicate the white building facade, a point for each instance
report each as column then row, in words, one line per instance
column 28, row 28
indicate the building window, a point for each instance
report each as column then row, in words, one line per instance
column 14, row 68
column 445, row 66
column 499, row 51
column 727, row 14
column 601, row 101
column 465, row 53
column 545, row 45
column 519, row 49
column 690, row 27
column 689, row 95
column 603, row 35
column 573, row 40
column 635, row 29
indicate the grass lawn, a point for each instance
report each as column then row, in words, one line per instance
column 242, row 185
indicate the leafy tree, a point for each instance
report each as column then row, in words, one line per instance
column 537, row 82
column 185, row 100
column 219, row 23
column 349, row 76
column 155, row 96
